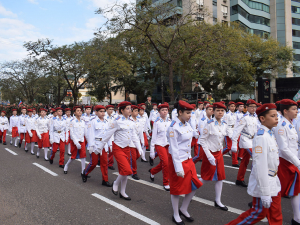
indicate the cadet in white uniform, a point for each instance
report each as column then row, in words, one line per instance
column 31, row 136
column 42, row 131
column 264, row 184
column 4, row 125
column 153, row 114
column 146, row 129
column 212, row 168
column 182, row 172
column 13, row 127
column 109, row 116
column 22, row 126
column 193, row 123
column 68, row 118
column 199, row 111
column 247, row 128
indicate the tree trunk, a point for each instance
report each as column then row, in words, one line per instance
column 171, row 82
column 182, row 84
column 58, row 92
column 75, row 96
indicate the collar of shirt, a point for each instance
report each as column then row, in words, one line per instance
column 217, row 123
column 180, row 123
column 267, row 129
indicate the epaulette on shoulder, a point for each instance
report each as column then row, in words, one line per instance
column 223, row 121
column 283, row 123
column 210, row 121
column 157, row 119
column 93, row 118
column 106, row 120
column 203, row 118
column 118, row 118
column 173, row 123
column 261, row 131
column 54, row 118
column 71, row 119
column 245, row 114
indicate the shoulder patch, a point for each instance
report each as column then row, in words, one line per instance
column 173, row 123
column 54, row 118
column 223, row 121
column 210, row 121
column 258, row 149
column 157, row 119
column 118, row 118
column 245, row 114
column 260, row 132
column 203, row 118
column 283, row 123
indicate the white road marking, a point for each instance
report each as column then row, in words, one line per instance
column 45, row 169
column 201, row 200
column 125, row 209
column 235, row 168
column 10, row 151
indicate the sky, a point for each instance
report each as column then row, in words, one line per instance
column 63, row 21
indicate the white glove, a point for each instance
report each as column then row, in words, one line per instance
column 196, row 136
column 9, row 131
column 266, row 201
column 212, row 160
column 180, row 174
column 110, row 148
column 141, row 152
column 30, row 134
column 51, row 141
column 78, row 146
column 91, row 149
column 234, row 148
column 152, row 154
column 39, row 136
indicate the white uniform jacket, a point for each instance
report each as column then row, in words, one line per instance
column 230, row 119
column 174, row 114
column 30, row 123
column 58, row 129
column 213, row 136
column 153, row 115
column 78, row 130
column 42, row 125
column 138, row 129
column 22, row 124
column 263, row 180
column 159, row 133
column 13, row 122
column 180, row 138
column 193, row 123
column 4, row 124
column 287, row 140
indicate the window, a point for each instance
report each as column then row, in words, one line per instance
column 200, row 2
column 296, row 0
column 257, row 5
column 296, row 33
column 224, row 9
column 261, row 33
column 297, row 57
column 296, row 45
column 296, row 21
column 295, row 9
column 179, row 3
column 251, row 18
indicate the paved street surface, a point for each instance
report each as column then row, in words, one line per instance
column 31, row 195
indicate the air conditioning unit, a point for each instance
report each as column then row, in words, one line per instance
column 224, row 14
column 201, row 5
column 200, row 17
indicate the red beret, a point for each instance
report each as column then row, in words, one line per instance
column 264, row 108
column 42, row 109
column 29, row 110
column 154, row 104
column 210, row 106
column 24, row 107
column 141, row 108
column 277, row 103
column 58, row 108
column 109, row 106
column 206, row 102
column 287, row 102
column 98, row 107
column 222, row 102
column 239, row 103
column 185, row 105
column 194, row 105
column 258, row 104
column 251, row 101
column 134, row 107
column 298, row 101
column 200, row 103
column 143, row 104
column 219, row 105
column 76, row 107
column 87, row 107
column 124, row 103
column 3, row 112
column 166, row 103
column 230, row 103
column 67, row 109
column 163, row 106
column 14, row 110
column 53, row 110
column 33, row 109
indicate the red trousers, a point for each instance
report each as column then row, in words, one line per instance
column 227, row 148
column 3, row 135
column 94, row 158
column 122, row 156
column 198, row 154
column 258, row 212
column 61, row 146
column 163, row 164
column 241, row 150
column 244, row 163
column 134, row 155
column 14, row 132
column 22, row 136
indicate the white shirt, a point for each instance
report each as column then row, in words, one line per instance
column 138, row 129
column 78, row 130
column 22, row 124
column 30, row 123
column 213, row 136
column 159, row 133
column 230, row 119
column 202, row 123
column 287, row 140
column 262, row 181
column 58, row 129
column 13, row 122
column 4, row 124
column 153, row 115
column 110, row 120
column 123, row 130
column 42, row 125
column 246, row 127
column 193, row 123
column 180, row 138
column 174, row 114
column 145, row 117
column 239, row 116
column 297, row 127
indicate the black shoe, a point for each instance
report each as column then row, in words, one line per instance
column 147, row 150
column 229, row 153
column 126, row 198
column 295, row 222
column 112, row 189
column 32, row 153
column 236, row 165
column 250, row 205
column 151, row 161
column 61, row 166
column 241, row 183
column 151, row 178
column 65, row 172
column 98, row 163
column 239, row 158
column 111, row 168
column 166, row 189
column 135, row 176
column 69, row 154
column 0, row 141
column 10, row 143
column 143, row 160
column 84, row 177
column 190, row 219
column 20, row 145
column 51, row 161
column 224, row 208
column 106, row 183
column 26, row 151
column 37, row 156
column 4, row 143
column 178, row 223
column 46, row 159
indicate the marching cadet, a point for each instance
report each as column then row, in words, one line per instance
column 110, row 117
column 246, row 128
column 193, row 123
column 182, row 171
column 22, row 126
column 31, row 136
column 289, row 163
column 279, row 115
column 145, row 124
column 174, row 114
column 99, row 126
column 34, row 114
column 212, row 168
column 198, row 154
column 68, row 118
column 4, row 125
column 58, row 136
column 42, row 131
column 264, row 185
column 78, row 133
column 138, row 129
column 153, row 114
column 239, row 114
column 160, row 143
column 230, row 119
column 199, row 111
column 13, row 127
column 52, row 113
column 123, row 130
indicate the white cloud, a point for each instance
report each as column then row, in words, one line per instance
column 33, row 1
column 4, row 12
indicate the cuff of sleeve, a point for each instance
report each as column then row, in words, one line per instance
column 178, row 167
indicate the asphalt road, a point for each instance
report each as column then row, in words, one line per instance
column 30, row 195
